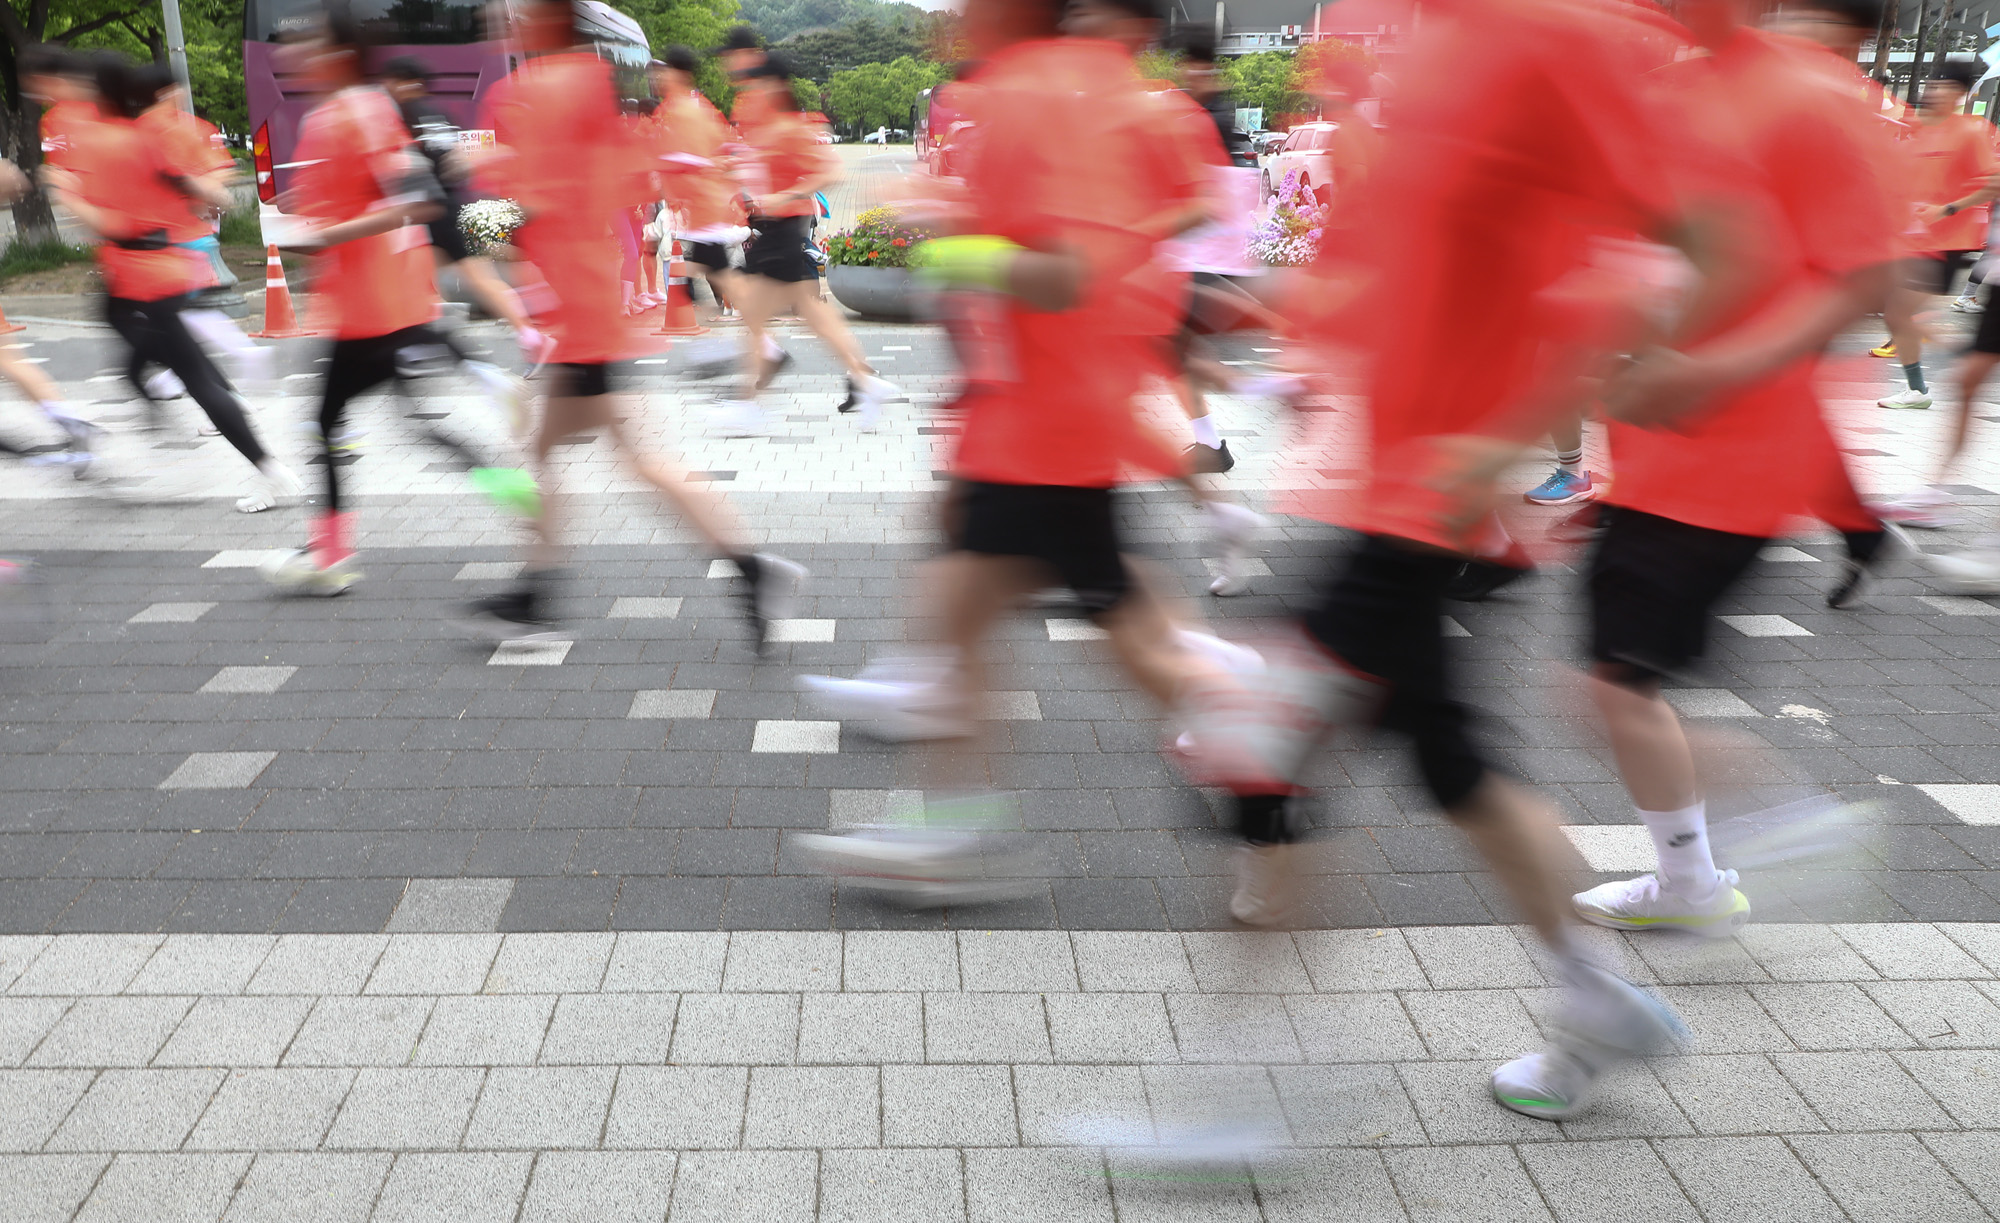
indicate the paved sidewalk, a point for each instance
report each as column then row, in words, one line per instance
column 1842, row 1072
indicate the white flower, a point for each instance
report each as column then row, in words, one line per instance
column 489, row 223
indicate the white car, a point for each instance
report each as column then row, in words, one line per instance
column 1309, row 150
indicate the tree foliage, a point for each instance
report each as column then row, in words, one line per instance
column 1285, row 82
column 857, row 41
column 699, row 24
column 778, row 20
column 880, row 95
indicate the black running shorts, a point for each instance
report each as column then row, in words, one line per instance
column 1383, row 616
column 1652, row 584
column 1987, row 338
column 777, row 250
column 1935, row 272
column 447, row 237
column 711, row 255
column 578, row 380
column 1071, row 530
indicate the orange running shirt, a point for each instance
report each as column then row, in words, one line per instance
column 1951, row 159
column 62, row 125
column 194, row 148
column 1799, row 159
column 122, row 169
column 791, row 154
column 1175, row 151
column 355, row 151
column 704, row 195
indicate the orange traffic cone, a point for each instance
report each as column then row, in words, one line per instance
column 279, row 321
column 6, row 326
column 679, row 318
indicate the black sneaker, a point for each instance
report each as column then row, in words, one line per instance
column 1475, row 580
column 515, row 615
column 778, row 366
column 1209, row 460
column 1865, row 550
column 770, row 592
column 852, row 401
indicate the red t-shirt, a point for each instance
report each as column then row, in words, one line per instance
column 790, row 153
column 62, row 125
column 122, row 169
column 1519, row 135
column 705, row 195
column 1796, row 158
column 1950, row 159
column 194, row 148
column 571, row 160
column 354, row 148
column 1049, row 394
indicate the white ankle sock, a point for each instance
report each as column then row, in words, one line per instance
column 1681, row 839
column 1204, row 431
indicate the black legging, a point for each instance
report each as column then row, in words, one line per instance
column 355, row 367
column 156, row 333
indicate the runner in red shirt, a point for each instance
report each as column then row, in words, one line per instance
column 690, row 134
column 115, row 178
column 572, row 162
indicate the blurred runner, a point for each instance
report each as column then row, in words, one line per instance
column 569, row 158
column 81, row 439
column 118, row 179
column 787, row 167
column 690, row 134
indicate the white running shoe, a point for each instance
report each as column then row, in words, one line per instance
column 901, row 700
column 1909, row 397
column 272, row 486
column 1267, row 884
column 1967, row 305
column 1973, row 572
column 923, row 867
column 739, row 418
column 1604, row 1020
column 1236, row 529
column 510, row 395
column 870, row 393
column 1926, row 509
column 298, row 573
column 165, row 384
column 1642, row 904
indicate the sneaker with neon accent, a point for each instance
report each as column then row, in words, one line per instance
column 1605, row 1020
column 1908, row 397
column 1886, row 351
column 1563, row 487
column 1642, row 904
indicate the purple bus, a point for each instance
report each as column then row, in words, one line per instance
column 455, row 39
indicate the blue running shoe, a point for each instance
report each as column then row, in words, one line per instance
column 1562, row 488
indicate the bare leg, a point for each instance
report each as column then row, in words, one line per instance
column 1523, row 845
column 1567, row 434
column 827, row 324
column 1651, row 748
column 758, row 300
column 1972, row 375
column 492, row 291
column 1901, row 316
column 35, row 384
column 708, row 514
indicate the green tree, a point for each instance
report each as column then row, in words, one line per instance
column 1265, row 78
column 699, row 24
column 778, row 20
column 880, row 95
column 859, row 40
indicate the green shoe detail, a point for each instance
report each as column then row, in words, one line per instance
column 510, row 488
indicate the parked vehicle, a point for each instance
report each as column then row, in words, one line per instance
column 1309, row 149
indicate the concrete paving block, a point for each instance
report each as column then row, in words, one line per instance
column 813, row 1106
column 137, row 1110
column 1831, row 1015
column 796, row 736
column 77, row 964
column 781, row 961
column 1066, row 629
column 1110, row 1028
column 24, row 1022
column 353, row 1031
column 599, row 1187
column 1965, row 1081
column 1617, row 848
column 450, row 906
column 1229, row 1028
column 318, row 964
column 644, row 609
column 1978, row 805
column 164, row 1188
column 434, row 964
column 737, row 1029
column 1699, row 961
column 1245, row 963
column 1007, row 1186
column 1454, row 1101
column 487, row 571
column 1709, row 703
column 1458, row 1025
column 528, row 1108
column 235, row 1032
column 1365, row 960
column 1725, row 1019
column 1910, row 951
column 34, row 1102
column 1766, row 626
column 891, row 1187
column 948, row 1106
column 1472, row 957
column 803, row 630
column 47, row 1188
column 677, row 1107
column 1584, row 1182
column 727, row 1186
column 900, row 960
column 321, row 1187
column 1016, row 960
column 666, row 962
column 17, row 951
column 111, row 1032
column 1353, row 1028
column 1886, row 1178
column 486, row 1030
column 1974, row 1159
column 1630, row 1103
column 861, row 1029
column 218, row 770
column 271, row 1110
column 248, row 679
column 238, row 558
column 1346, row 1106
column 203, row 964
column 1192, row 1102
column 1013, row 707
column 550, row 963
column 608, row 1029
column 1862, row 1090
column 1739, row 1093
column 470, row 1187
column 1940, row 1014
column 170, row 613
column 672, row 703
column 1123, row 961
column 1482, row 1182
column 1083, row 1106
column 992, row 1028
column 406, row 1108
column 1980, row 940
column 1326, row 1187
column 529, row 654
column 860, row 808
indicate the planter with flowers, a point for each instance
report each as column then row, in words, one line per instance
column 489, row 225
column 868, row 266
column 1290, row 235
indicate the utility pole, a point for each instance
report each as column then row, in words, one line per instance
column 177, row 52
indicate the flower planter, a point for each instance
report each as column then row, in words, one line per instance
column 873, row 293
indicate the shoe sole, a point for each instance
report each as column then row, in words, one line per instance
column 1723, row 925
column 1589, row 494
